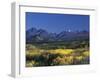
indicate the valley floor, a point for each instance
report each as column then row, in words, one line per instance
column 38, row 55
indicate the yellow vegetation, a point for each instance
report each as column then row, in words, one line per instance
column 79, row 57
column 61, row 51
column 29, row 64
column 55, row 51
column 86, row 53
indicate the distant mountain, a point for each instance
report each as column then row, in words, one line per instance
column 40, row 35
column 52, row 36
column 36, row 35
column 64, row 35
column 30, row 33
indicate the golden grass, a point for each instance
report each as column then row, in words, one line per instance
column 55, row 51
column 86, row 53
column 61, row 51
column 67, row 56
column 79, row 57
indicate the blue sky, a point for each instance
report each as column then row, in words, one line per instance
column 57, row 22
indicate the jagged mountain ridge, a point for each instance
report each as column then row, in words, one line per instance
column 41, row 35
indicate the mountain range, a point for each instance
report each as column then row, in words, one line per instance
column 41, row 35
